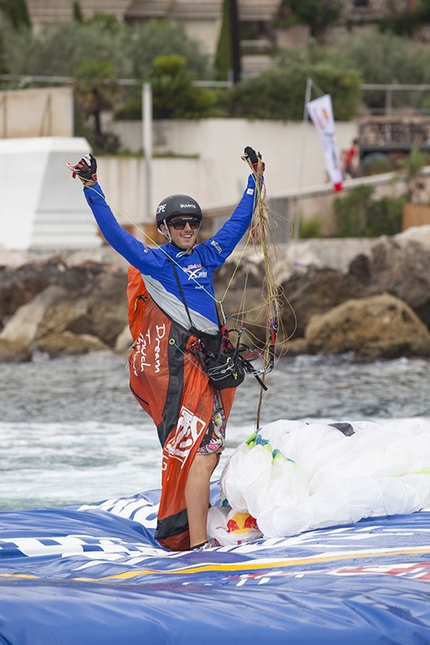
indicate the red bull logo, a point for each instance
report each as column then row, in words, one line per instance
column 241, row 523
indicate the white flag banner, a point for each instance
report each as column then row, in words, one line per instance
column 321, row 112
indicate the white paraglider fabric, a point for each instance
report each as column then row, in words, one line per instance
column 291, row 476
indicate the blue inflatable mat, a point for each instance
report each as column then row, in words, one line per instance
column 88, row 576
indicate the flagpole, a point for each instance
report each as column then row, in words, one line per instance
column 302, row 159
column 147, row 148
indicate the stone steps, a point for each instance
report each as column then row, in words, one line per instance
column 43, row 12
column 48, row 11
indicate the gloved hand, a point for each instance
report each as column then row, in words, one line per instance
column 254, row 159
column 85, row 169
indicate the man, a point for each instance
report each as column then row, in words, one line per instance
column 351, row 160
column 172, row 313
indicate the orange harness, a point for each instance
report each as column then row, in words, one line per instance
column 171, row 387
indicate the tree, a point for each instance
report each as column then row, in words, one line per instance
column 16, row 11
column 423, row 10
column 386, row 58
column 318, row 14
column 173, row 94
column 144, row 43
column 223, row 57
column 3, row 65
column 96, row 89
column 61, row 48
column 77, row 12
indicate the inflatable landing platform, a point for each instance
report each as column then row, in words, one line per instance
column 70, row 576
column 89, row 575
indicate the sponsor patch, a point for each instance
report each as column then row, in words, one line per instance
column 216, row 246
column 188, row 430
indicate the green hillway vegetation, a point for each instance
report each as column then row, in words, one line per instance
column 99, row 51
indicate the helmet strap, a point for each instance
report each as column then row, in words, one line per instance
column 166, row 235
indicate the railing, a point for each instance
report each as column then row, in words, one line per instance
column 389, row 89
column 314, row 202
column 391, row 133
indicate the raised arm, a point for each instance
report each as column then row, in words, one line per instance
column 125, row 244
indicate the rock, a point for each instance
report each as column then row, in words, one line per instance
column 294, row 347
column 61, row 314
column 12, row 352
column 106, row 307
column 401, row 266
column 124, row 341
column 23, row 327
column 93, row 306
column 49, row 303
column 315, row 292
column 248, row 308
column 381, row 326
column 360, row 268
column 239, row 272
column 419, row 234
column 67, row 343
column 18, row 286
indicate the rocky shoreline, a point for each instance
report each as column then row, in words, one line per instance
column 377, row 306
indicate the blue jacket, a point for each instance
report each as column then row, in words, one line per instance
column 194, row 270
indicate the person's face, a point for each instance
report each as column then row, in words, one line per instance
column 183, row 231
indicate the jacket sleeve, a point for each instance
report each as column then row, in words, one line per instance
column 134, row 251
column 217, row 249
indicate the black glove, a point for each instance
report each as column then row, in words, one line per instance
column 85, row 169
column 253, row 158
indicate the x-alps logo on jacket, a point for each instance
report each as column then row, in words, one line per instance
column 188, row 430
column 195, row 271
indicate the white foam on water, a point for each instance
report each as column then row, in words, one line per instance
column 71, row 432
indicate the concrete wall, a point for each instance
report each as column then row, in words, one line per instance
column 40, row 207
column 51, row 213
column 214, row 173
column 44, row 112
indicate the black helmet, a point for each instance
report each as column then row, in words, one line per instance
column 177, row 205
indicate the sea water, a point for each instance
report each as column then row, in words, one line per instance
column 71, row 432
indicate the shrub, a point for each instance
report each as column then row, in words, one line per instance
column 309, row 228
column 411, row 166
column 375, row 163
column 280, row 93
column 358, row 215
column 387, row 58
column 385, row 216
